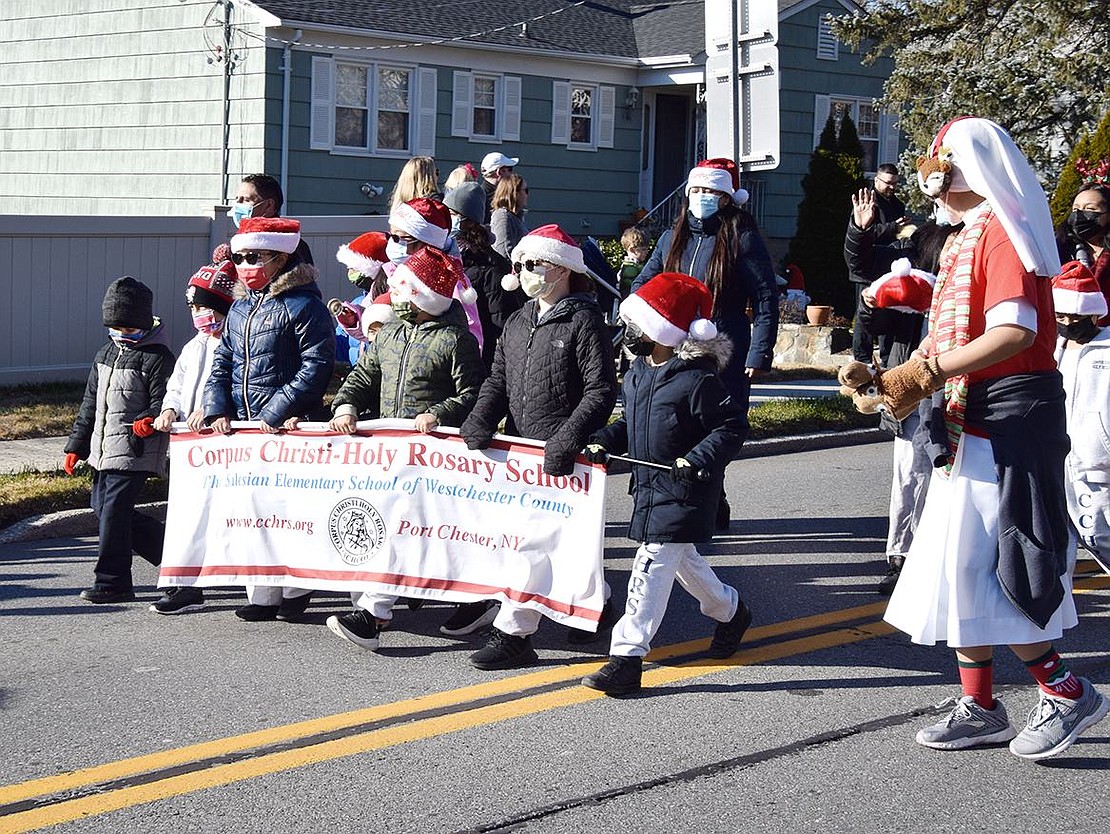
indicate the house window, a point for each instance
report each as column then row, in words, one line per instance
column 828, row 47
column 372, row 108
column 878, row 131
column 485, row 107
column 583, row 115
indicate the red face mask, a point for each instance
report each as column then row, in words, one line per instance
column 253, row 277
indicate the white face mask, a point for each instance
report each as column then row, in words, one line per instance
column 534, row 282
column 398, row 253
column 704, row 205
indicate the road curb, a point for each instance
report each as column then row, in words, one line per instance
column 82, row 522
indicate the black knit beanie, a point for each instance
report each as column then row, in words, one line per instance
column 128, row 303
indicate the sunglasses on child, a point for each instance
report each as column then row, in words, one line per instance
column 251, row 258
column 528, row 265
column 404, row 241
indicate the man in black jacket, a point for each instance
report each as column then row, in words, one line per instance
column 880, row 211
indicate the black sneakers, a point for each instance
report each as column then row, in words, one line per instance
column 257, row 613
column 359, row 627
column 893, row 571
column 469, row 617
column 727, row 637
column 179, row 601
column 106, row 596
column 724, row 514
column 504, row 651
column 620, row 676
column 293, row 608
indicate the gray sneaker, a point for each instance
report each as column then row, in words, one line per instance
column 1056, row 722
column 968, row 725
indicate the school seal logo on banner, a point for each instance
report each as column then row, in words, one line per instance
column 356, row 530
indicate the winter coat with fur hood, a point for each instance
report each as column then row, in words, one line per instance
column 277, row 353
column 126, row 383
column 679, row 409
column 555, row 378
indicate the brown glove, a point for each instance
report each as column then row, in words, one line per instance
column 908, row 384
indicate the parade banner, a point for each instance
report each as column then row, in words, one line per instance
column 387, row 509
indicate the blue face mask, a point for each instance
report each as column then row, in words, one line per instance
column 119, row 336
column 704, row 205
column 398, row 253
column 240, row 211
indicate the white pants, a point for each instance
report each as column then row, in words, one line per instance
column 1089, row 508
column 912, row 470
column 521, row 622
column 380, row 605
column 271, row 595
column 654, row 571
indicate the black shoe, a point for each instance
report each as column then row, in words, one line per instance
column 359, row 627
column 727, row 637
column 293, row 608
column 257, row 613
column 469, row 617
column 179, row 601
column 106, row 596
column 413, row 603
column 724, row 513
column 620, row 676
column 504, row 651
column 609, row 617
column 893, row 571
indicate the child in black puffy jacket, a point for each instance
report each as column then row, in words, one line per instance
column 676, row 413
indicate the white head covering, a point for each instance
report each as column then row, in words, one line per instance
column 985, row 160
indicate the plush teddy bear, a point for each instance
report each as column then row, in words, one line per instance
column 934, row 175
column 896, row 391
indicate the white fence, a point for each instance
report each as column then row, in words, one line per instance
column 54, row 271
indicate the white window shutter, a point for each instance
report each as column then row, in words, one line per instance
column 510, row 130
column 560, row 113
column 821, row 108
column 462, row 114
column 322, row 111
column 607, row 118
column 427, row 84
column 888, row 138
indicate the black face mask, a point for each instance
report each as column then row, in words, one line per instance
column 1081, row 331
column 1084, row 224
column 634, row 343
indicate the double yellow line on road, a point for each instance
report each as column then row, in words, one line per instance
column 38, row 803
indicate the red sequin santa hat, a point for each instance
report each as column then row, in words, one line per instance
column 720, row 174
column 670, row 308
column 1075, row 292
column 425, row 219
column 547, row 243
column 904, row 288
column 365, row 254
column 267, row 234
column 427, row 279
column 379, row 312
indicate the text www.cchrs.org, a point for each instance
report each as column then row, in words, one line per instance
column 272, row 522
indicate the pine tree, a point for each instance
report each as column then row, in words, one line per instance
column 1091, row 148
column 835, row 173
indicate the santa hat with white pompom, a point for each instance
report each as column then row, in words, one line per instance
column 904, row 288
column 670, row 308
column 428, row 279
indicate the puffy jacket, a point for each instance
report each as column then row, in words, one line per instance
column 185, row 391
column 410, row 369
column 677, row 410
column 125, row 384
column 495, row 304
column 277, row 353
column 555, row 378
column 752, row 281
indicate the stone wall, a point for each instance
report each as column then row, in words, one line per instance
column 816, row 345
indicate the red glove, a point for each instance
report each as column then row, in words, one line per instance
column 71, row 463
column 143, row 427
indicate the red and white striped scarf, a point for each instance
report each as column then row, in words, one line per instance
column 951, row 316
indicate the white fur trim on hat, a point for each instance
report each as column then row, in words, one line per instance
column 376, row 314
column 543, row 248
column 719, row 180
column 654, row 325
column 286, row 242
column 362, row 264
column 1072, row 303
column 408, row 219
column 905, row 284
column 405, row 286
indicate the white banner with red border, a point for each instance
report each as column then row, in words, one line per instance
column 386, row 509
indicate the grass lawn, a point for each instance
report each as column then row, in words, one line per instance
column 31, row 493
column 44, row 410
column 778, row 418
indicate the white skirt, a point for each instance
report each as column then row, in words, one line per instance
column 948, row 590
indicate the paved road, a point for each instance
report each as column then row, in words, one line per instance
column 202, row 722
